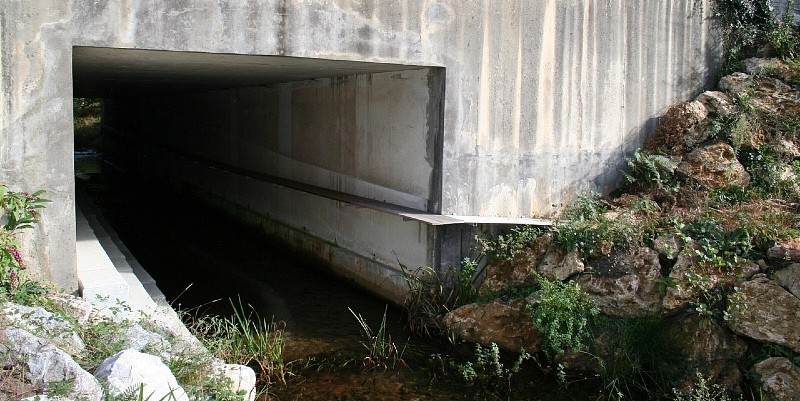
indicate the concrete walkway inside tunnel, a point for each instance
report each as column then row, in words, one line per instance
column 108, row 274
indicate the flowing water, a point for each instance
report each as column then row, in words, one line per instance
column 201, row 260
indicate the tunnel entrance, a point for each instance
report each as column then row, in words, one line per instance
column 330, row 156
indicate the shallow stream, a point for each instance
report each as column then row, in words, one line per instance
column 201, row 259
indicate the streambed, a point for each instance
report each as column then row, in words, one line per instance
column 202, row 260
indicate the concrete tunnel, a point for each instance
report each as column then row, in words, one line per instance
column 340, row 159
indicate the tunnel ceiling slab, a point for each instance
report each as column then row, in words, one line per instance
column 111, row 72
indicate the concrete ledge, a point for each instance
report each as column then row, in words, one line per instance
column 105, row 275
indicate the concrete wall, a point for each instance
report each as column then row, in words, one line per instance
column 365, row 135
column 543, row 98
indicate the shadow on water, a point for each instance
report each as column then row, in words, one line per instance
column 201, row 259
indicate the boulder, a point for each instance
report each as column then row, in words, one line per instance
column 242, row 379
column 767, row 95
column 542, row 256
column 625, row 284
column 737, row 84
column 134, row 336
column 786, row 250
column 44, row 324
column 44, row 363
column 709, row 349
column 717, row 103
column 506, row 324
column 779, row 378
column 560, row 265
column 669, row 246
column 75, row 308
column 678, row 296
column 714, row 166
column 789, row 278
column 770, row 67
column 683, row 126
column 131, row 371
column 766, row 312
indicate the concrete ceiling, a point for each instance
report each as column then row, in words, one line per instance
column 106, row 72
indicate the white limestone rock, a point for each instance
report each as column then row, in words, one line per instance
column 44, row 363
column 44, row 324
column 242, row 379
column 127, row 370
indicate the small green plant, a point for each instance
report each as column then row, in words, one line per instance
column 488, row 369
column 651, row 170
column 588, row 228
column 18, row 211
column 703, row 391
column 562, row 313
column 506, row 246
column 382, row 352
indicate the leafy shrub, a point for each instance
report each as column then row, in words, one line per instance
column 506, row 246
column 651, row 170
column 587, row 228
column 749, row 24
column 562, row 313
column 20, row 211
column 488, row 370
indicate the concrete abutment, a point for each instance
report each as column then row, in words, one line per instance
column 534, row 103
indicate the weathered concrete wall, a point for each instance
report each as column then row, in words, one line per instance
column 364, row 135
column 544, row 98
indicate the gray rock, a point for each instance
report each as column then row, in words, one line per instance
column 789, row 278
column 629, row 287
column 737, row 83
column 668, row 246
column 134, row 336
column 678, row 296
column 44, row 324
column 44, row 363
column 43, row 397
column 559, row 265
column 76, row 308
column 780, row 379
column 717, row 103
column 766, row 312
column 714, row 166
column 127, row 370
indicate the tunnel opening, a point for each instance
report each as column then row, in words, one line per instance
column 330, row 157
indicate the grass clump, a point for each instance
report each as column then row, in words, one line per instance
column 382, row 352
column 243, row 338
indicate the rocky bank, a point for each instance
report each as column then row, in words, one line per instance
column 667, row 278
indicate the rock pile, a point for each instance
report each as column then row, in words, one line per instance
column 764, row 301
column 44, row 349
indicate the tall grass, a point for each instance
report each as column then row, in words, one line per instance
column 244, row 338
column 382, row 352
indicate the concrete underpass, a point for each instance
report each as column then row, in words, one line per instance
column 342, row 160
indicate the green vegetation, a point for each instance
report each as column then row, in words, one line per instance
column 86, row 123
column 244, row 338
column 382, row 352
column 20, row 211
column 562, row 313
